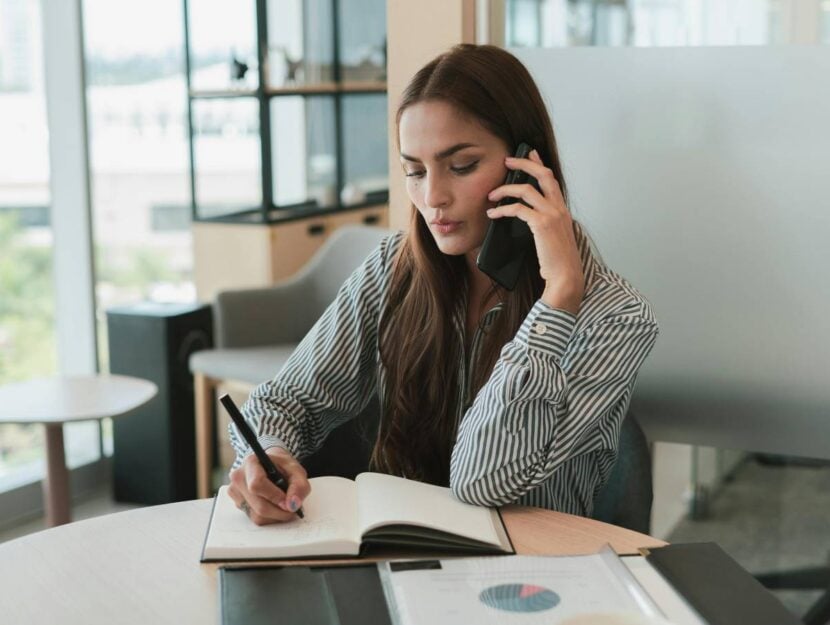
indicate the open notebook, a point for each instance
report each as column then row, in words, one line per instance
column 342, row 517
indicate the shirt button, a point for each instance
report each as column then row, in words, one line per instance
column 540, row 328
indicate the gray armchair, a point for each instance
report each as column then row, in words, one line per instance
column 626, row 498
column 258, row 329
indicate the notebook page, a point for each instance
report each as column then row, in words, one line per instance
column 329, row 526
column 387, row 499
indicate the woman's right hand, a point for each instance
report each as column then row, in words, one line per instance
column 259, row 498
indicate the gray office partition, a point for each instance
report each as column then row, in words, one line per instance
column 703, row 175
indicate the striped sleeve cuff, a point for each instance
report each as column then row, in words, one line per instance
column 266, row 442
column 547, row 329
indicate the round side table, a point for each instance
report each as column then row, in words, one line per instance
column 56, row 400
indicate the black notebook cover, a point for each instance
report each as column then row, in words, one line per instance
column 302, row 595
column 717, row 587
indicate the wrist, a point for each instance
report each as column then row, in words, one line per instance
column 567, row 298
column 279, row 451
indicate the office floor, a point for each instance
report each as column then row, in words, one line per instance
column 767, row 517
column 770, row 518
column 98, row 503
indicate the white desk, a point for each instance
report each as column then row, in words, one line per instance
column 142, row 566
column 57, row 400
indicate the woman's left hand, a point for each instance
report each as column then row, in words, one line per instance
column 550, row 222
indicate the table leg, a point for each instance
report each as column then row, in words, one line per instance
column 56, row 486
column 203, row 390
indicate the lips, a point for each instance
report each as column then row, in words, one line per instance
column 444, row 226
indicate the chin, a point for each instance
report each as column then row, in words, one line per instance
column 453, row 247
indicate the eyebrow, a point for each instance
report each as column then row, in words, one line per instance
column 443, row 154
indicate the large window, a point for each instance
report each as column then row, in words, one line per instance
column 137, row 115
column 27, row 338
column 137, row 110
column 646, row 23
column 136, row 106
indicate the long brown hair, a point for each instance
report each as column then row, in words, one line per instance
column 419, row 348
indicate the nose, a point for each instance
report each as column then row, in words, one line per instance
column 437, row 193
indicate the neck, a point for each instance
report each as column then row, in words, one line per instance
column 480, row 282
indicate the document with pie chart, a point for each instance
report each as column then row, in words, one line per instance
column 511, row 589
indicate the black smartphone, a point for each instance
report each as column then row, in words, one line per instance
column 508, row 239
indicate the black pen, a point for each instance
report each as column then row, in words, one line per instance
column 247, row 433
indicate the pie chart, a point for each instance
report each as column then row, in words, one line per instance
column 519, row 598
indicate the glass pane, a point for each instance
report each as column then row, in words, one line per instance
column 366, row 168
column 304, row 162
column 523, row 22
column 647, row 23
column 136, row 105
column 27, row 337
column 300, row 42
column 363, row 41
column 226, row 154
column 222, row 44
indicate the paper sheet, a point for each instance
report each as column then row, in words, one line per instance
column 508, row 589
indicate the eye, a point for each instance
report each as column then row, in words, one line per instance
column 414, row 174
column 466, row 169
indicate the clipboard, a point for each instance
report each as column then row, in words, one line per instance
column 302, row 595
column 716, row 586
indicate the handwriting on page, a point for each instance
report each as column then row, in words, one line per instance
column 309, row 530
column 294, row 532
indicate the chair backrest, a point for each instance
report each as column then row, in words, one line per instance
column 626, row 498
column 284, row 313
column 336, row 259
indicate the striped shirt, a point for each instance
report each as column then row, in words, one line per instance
column 542, row 431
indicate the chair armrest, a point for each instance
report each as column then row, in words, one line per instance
column 265, row 316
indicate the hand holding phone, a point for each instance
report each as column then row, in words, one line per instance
column 508, row 239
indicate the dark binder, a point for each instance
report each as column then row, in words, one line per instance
column 302, row 595
column 716, row 586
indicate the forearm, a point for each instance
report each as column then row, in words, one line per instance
column 565, row 296
column 507, row 433
column 326, row 381
column 330, row 377
column 553, row 395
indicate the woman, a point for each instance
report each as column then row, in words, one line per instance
column 505, row 396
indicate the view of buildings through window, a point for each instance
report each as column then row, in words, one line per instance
column 140, row 188
column 137, row 118
column 27, row 338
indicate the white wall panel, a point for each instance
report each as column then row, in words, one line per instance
column 703, row 174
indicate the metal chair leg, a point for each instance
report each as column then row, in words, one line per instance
column 819, row 613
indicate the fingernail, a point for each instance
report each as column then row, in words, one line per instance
column 293, row 504
column 490, row 211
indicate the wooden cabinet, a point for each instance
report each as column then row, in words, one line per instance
column 236, row 256
column 286, row 108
